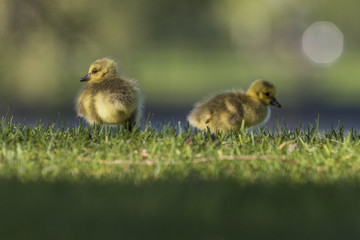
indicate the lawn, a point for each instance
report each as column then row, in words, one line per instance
column 166, row 182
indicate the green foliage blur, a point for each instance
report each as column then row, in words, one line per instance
column 178, row 50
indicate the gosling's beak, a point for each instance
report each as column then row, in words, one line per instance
column 275, row 103
column 85, row 78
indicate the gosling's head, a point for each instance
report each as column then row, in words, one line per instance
column 265, row 92
column 101, row 69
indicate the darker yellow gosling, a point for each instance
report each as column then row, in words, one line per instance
column 228, row 110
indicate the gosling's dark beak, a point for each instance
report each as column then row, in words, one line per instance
column 85, row 78
column 275, row 103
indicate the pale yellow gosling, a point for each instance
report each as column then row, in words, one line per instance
column 108, row 98
column 228, row 110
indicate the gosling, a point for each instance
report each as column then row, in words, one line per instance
column 228, row 110
column 108, row 98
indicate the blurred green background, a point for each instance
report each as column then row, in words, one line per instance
column 182, row 50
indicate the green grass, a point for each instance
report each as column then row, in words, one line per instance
column 163, row 183
column 300, row 155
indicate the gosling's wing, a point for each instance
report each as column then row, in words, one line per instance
column 117, row 92
column 234, row 104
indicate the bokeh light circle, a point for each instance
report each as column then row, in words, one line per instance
column 323, row 42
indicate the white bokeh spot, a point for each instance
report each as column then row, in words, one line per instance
column 323, row 42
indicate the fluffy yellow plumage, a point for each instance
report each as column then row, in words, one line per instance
column 108, row 98
column 228, row 110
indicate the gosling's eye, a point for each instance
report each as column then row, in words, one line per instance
column 267, row 94
column 94, row 71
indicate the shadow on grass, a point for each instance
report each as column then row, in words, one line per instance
column 189, row 210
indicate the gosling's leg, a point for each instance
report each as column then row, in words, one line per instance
column 130, row 124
